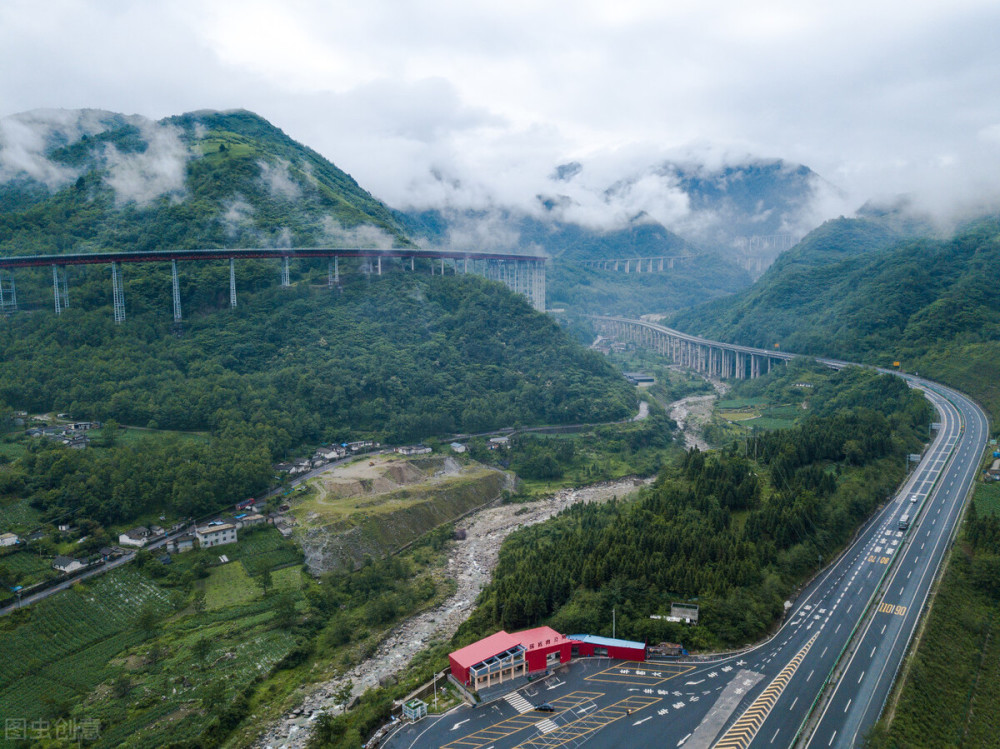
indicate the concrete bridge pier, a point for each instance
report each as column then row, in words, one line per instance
column 232, row 283
column 176, row 291
column 8, row 297
column 60, row 288
column 117, row 293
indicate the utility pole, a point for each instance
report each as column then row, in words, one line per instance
column 613, row 623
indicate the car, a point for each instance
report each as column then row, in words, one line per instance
column 545, row 708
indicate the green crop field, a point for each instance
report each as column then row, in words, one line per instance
column 229, row 585
column 18, row 515
column 67, row 640
column 32, row 567
column 988, row 498
column 262, row 548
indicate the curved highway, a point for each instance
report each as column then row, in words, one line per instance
column 820, row 681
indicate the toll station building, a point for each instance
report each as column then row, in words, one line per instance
column 502, row 656
column 490, row 661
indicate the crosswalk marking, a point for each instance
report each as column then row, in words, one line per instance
column 518, row 702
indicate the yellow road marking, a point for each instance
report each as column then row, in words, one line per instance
column 590, row 723
column 891, row 608
column 504, row 728
column 642, row 674
column 742, row 732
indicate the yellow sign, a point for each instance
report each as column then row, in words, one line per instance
column 895, row 364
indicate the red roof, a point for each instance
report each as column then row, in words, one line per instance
column 539, row 637
column 479, row 651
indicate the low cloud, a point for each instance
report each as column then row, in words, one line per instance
column 161, row 169
column 27, row 138
column 278, row 179
column 364, row 236
column 237, row 218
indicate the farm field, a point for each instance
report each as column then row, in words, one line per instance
column 988, row 498
column 127, row 651
column 65, row 642
column 18, row 515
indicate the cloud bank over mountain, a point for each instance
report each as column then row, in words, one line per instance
column 444, row 103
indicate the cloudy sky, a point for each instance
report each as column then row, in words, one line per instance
column 425, row 101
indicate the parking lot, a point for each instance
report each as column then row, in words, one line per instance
column 592, row 699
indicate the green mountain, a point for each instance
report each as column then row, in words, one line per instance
column 205, row 179
column 397, row 357
column 853, row 290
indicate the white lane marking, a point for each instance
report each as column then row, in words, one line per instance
column 775, row 735
column 832, row 738
column 810, row 674
column 848, row 705
column 837, row 629
column 861, row 677
column 684, row 739
column 792, row 707
column 824, row 651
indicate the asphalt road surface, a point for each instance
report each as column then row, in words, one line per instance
column 849, row 629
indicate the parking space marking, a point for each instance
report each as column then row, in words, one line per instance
column 504, row 728
column 640, row 674
column 579, row 729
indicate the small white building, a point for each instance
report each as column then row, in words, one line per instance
column 135, row 537
column 68, row 564
column 215, row 534
column 498, row 442
column 457, row 447
column 413, row 450
column 8, row 539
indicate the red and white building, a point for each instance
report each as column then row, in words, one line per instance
column 503, row 656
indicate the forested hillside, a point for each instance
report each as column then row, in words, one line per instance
column 930, row 304
column 398, row 358
column 204, row 179
column 735, row 530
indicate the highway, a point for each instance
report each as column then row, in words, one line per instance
column 820, row 681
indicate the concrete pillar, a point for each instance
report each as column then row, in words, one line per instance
column 55, row 288
column 176, row 287
column 380, row 265
column 117, row 293
column 232, row 283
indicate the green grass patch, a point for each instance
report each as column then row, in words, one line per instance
column 133, row 435
column 18, row 514
column 13, row 450
column 987, row 498
column 263, row 547
column 229, row 585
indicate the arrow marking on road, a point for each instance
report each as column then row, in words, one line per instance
column 460, row 723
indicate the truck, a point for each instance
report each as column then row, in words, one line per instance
column 904, row 522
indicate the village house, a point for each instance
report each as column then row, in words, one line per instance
column 135, row 537
column 181, row 544
column 68, row 564
column 8, row 539
column 215, row 533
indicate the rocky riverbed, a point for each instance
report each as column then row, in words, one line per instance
column 470, row 565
